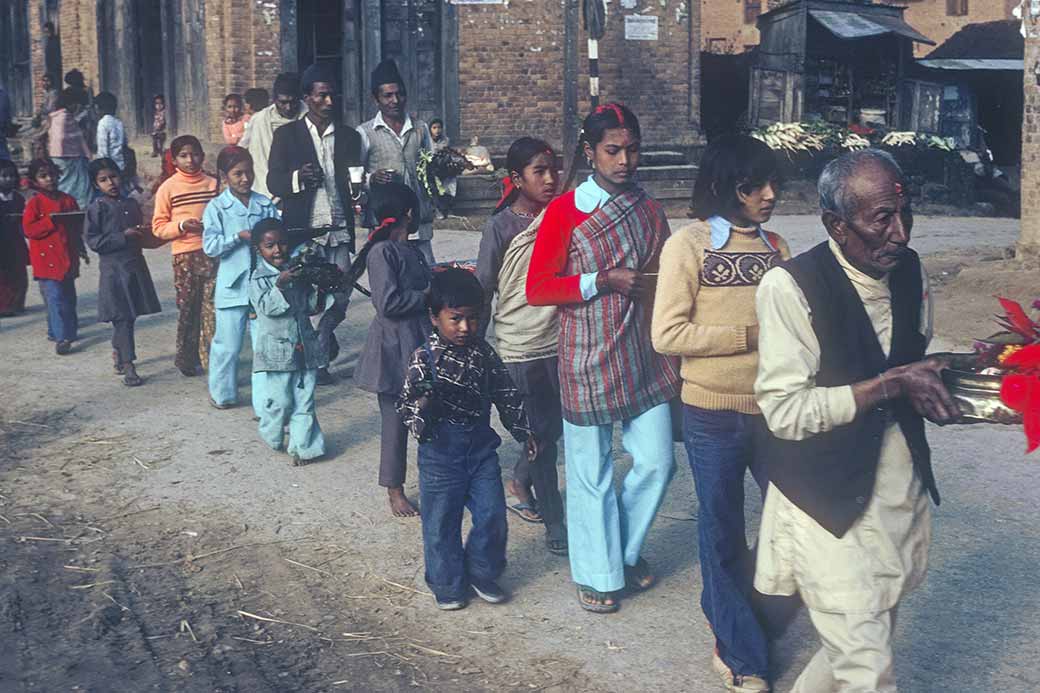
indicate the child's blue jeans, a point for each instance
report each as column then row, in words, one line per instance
column 60, row 297
column 719, row 445
column 457, row 470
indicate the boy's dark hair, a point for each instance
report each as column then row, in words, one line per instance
column 158, row 96
column 104, row 164
column 106, row 103
column 234, row 97
column 393, row 200
column 8, row 165
column 37, row 165
column 609, row 116
column 286, row 84
column 454, row 287
column 257, row 233
column 437, row 121
column 521, row 153
column 183, row 141
column 68, row 98
column 231, row 156
column 730, row 162
column 257, row 98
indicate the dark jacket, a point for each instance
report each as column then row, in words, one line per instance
column 831, row 475
column 125, row 288
column 291, row 148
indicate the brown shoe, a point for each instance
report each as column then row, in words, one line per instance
column 130, row 376
column 737, row 682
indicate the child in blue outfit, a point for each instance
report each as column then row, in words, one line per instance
column 287, row 351
column 452, row 380
column 226, row 224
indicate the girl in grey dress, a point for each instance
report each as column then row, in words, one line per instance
column 398, row 276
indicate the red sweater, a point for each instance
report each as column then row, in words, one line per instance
column 53, row 244
column 546, row 285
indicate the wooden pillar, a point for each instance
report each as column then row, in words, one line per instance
column 1029, row 237
column 371, row 53
column 450, row 107
column 570, row 81
column 288, row 36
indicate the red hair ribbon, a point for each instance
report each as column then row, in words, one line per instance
column 507, row 190
column 384, row 224
column 615, row 108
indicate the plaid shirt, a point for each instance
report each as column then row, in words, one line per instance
column 458, row 388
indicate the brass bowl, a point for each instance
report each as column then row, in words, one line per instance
column 977, row 395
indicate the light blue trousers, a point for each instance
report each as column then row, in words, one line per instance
column 288, row 398
column 223, row 357
column 605, row 531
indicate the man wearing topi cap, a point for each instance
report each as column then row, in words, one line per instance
column 391, row 144
column 309, row 170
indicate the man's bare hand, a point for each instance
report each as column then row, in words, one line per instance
column 921, row 383
column 311, row 174
column 624, row 281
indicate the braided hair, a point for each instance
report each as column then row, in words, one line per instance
column 521, row 153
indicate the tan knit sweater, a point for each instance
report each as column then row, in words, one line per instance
column 704, row 307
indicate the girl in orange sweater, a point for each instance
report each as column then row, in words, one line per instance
column 179, row 203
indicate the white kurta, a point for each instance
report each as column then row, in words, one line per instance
column 885, row 553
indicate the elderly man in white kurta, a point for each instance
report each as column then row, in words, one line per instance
column 844, row 388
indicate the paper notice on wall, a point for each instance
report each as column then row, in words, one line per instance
column 640, row 27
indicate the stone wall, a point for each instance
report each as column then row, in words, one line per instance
column 1029, row 243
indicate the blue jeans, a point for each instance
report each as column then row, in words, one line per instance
column 60, row 297
column 231, row 325
column 457, row 470
column 720, row 447
column 606, row 532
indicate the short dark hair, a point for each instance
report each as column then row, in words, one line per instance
column 106, row 103
column 454, row 287
column 287, row 83
column 234, row 97
column 256, row 234
column 729, row 162
column 257, row 98
column 183, row 141
column 8, row 165
column 103, row 164
column 37, row 165
column 436, row 121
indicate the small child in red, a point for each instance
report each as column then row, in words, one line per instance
column 55, row 248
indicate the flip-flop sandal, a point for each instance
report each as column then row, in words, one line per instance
column 525, row 511
column 636, row 574
column 597, row 605
column 556, row 540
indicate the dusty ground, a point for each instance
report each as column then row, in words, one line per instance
column 153, row 543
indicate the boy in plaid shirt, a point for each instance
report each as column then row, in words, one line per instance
column 452, row 381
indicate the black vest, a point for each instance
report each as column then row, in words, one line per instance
column 830, row 476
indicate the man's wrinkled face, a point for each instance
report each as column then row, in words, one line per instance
column 286, row 105
column 392, row 100
column 876, row 235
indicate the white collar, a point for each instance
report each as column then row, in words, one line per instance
column 588, row 197
column 874, row 288
column 330, row 130
column 378, row 122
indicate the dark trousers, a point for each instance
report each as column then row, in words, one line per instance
column 393, row 444
column 720, row 448
column 338, row 255
column 539, row 383
column 123, row 340
column 60, row 297
column 158, row 142
column 458, row 470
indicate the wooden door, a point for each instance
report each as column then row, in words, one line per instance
column 411, row 35
column 15, row 71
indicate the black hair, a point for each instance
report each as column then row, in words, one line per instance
column 106, row 103
column 437, row 121
column 8, row 165
column 103, row 164
column 37, row 165
column 606, row 117
column 394, row 200
column 257, row 98
column 520, row 155
column 234, row 97
column 183, row 141
column 454, row 287
column 159, row 96
column 731, row 162
column 231, row 156
column 75, row 78
column 398, row 82
column 68, row 98
column 257, row 234
column 287, row 83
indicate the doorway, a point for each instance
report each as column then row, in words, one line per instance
column 149, row 54
column 15, row 67
column 411, row 35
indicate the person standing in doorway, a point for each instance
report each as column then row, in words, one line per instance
column 286, row 108
column 391, row 144
column 309, row 170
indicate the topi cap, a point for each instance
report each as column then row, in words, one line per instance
column 386, row 73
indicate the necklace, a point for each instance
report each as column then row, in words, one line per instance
column 522, row 214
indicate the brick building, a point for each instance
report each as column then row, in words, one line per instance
column 728, row 26
column 494, row 71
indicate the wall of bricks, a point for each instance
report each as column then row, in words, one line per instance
column 1029, row 243
column 723, row 29
column 931, row 19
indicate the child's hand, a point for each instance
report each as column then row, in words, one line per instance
column 286, row 277
column 245, row 236
column 532, row 448
column 191, row 226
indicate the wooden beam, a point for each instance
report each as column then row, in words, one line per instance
column 570, row 81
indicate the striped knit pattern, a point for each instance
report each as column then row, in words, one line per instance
column 179, row 198
column 609, row 370
column 193, row 199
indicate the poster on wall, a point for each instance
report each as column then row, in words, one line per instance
column 639, row 27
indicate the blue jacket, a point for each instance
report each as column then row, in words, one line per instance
column 285, row 339
column 224, row 217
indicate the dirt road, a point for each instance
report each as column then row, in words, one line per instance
column 151, row 543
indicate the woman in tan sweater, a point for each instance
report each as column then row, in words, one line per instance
column 704, row 311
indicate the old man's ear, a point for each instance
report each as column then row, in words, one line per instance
column 835, row 226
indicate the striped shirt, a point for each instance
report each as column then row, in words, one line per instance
column 180, row 198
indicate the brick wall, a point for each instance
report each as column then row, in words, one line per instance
column 723, row 29
column 511, row 72
column 78, row 30
column 1029, row 242
column 930, row 18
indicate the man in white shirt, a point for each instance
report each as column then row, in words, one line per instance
column 844, row 388
column 286, row 108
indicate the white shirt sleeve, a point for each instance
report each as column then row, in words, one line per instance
column 587, row 283
column 794, row 407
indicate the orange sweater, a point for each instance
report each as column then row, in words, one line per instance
column 179, row 198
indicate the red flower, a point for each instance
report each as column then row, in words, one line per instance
column 1022, row 393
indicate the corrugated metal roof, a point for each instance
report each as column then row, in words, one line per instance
column 851, row 25
column 972, row 64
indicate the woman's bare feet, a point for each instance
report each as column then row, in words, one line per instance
column 400, row 506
